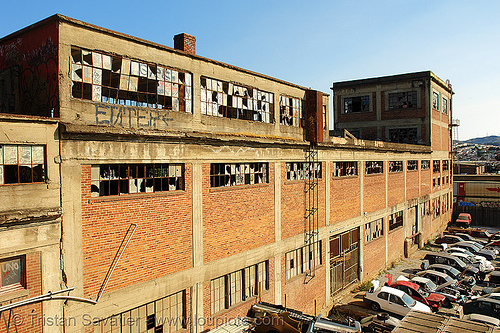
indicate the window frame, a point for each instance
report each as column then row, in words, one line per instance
column 124, row 176
column 233, row 287
column 425, row 164
column 152, row 85
column 396, row 220
column 435, row 100
column 239, row 174
column 364, row 103
column 345, row 169
column 414, row 167
column 301, row 259
column 301, row 171
column 20, row 283
column 290, row 111
column 374, row 230
column 232, row 100
column 396, row 166
column 21, row 166
column 402, row 96
column 375, row 167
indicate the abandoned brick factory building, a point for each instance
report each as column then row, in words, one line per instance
column 163, row 184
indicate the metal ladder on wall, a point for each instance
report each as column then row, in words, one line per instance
column 311, row 216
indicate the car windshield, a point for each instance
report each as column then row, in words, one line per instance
column 408, row 300
column 479, row 246
column 430, row 285
column 422, row 292
column 454, row 271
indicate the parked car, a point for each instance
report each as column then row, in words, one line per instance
column 484, row 266
column 467, row 237
column 482, row 319
column 463, row 220
column 444, row 280
column 433, row 300
column 392, row 300
column 483, row 305
column 461, row 277
column 477, row 249
column 453, row 261
column 448, row 239
column 451, row 294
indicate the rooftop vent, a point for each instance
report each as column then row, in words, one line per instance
column 185, row 43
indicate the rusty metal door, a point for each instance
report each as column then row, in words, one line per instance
column 344, row 260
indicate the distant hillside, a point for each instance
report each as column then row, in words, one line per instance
column 493, row 140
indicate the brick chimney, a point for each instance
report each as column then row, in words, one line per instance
column 185, row 42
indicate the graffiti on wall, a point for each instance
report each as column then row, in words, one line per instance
column 28, row 74
column 130, row 117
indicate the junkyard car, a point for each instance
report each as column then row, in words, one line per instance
column 454, row 274
column 433, row 300
column 451, row 294
column 392, row 300
column 483, row 305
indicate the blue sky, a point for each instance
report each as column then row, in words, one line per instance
column 314, row 43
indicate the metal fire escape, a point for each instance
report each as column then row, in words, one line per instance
column 311, row 216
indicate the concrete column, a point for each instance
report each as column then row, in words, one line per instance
column 328, row 179
column 277, row 279
column 197, row 214
column 277, row 202
column 197, row 307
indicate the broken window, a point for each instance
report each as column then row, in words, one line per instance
column 403, row 100
column 302, row 170
column 229, row 100
column 121, row 179
column 150, row 316
column 235, row 287
column 412, row 165
column 436, row 166
column 22, row 164
column 395, row 166
column 374, row 230
column 113, row 79
column 446, row 165
column 373, row 167
column 425, row 164
column 301, row 260
column 403, row 135
column 436, row 207
column 356, row 104
column 435, row 100
column 290, row 111
column 234, row 174
column 445, row 106
column 395, row 220
column 344, row 169
column 13, row 273
column 324, row 117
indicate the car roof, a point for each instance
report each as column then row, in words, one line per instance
column 440, row 254
column 406, row 283
column 430, row 271
column 447, row 267
column 420, row 279
column 393, row 291
column 491, row 300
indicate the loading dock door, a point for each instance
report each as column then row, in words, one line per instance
column 344, row 260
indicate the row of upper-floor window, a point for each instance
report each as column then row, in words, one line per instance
column 395, row 101
column 118, row 80
column 27, row 164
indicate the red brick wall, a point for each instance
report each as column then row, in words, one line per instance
column 161, row 245
column 345, row 193
column 293, row 204
column 374, row 191
column 395, row 188
column 28, row 318
column 369, row 133
column 445, row 138
column 236, row 218
column 426, row 181
column 374, row 255
column 436, row 137
column 412, row 184
column 301, row 295
column 395, row 244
